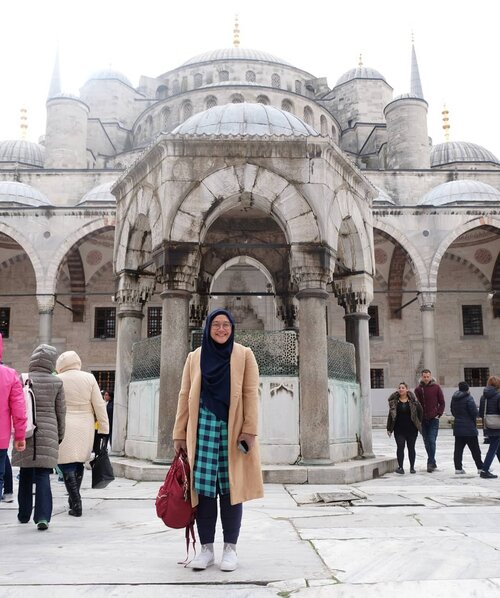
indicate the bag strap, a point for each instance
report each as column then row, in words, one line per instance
column 189, row 532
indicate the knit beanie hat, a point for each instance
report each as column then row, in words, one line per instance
column 463, row 386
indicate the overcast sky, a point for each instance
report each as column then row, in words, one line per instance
column 457, row 48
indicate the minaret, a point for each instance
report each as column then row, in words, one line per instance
column 236, row 32
column 55, row 82
column 446, row 123
column 408, row 145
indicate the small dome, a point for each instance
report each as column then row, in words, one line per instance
column 110, row 74
column 461, row 191
column 452, row 152
column 244, row 119
column 361, row 72
column 234, row 54
column 383, row 196
column 12, row 192
column 22, row 152
column 98, row 195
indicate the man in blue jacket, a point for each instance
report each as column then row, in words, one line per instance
column 430, row 395
column 465, row 411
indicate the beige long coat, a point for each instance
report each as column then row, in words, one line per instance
column 84, row 406
column 245, row 474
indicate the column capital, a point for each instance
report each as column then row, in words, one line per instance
column 45, row 303
column 177, row 265
column 312, row 266
column 427, row 299
column 133, row 291
column 354, row 293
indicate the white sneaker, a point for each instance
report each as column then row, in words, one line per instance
column 229, row 558
column 8, row 498
column 459, row 471
column 204, row 558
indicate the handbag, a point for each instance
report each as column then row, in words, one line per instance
column 102, row 470
column 173, row 501
column 491, row 420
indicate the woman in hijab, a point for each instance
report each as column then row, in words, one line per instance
column 216, row 424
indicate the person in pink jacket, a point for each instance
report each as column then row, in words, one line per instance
column 12, row 413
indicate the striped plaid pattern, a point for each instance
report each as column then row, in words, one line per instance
column 211, row 471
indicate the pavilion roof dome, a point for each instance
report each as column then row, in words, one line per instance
column 98, row 195
column 461, row 191
column 452, row 152
column 12, row 192
column 360, row 72
column 22, row 152
column 234, row 54
column 245, row 119
column 110, row 74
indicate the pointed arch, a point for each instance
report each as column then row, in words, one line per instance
column 30, row 251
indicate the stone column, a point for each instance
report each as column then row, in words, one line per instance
column 426, row 300
column 45, row 316
column 313, row 377
column 355, row 294
column 131, row 295
column 174, row 350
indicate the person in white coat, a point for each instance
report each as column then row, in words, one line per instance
column 84, row 406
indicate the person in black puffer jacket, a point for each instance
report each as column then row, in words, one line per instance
column 490, row 404
column 465, row 412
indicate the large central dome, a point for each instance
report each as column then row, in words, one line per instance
column 234, row 54
column 244, row 119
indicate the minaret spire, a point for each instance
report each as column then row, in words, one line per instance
column 55, row 82
column 23, row 122
column 416, row 85
column 236, row 32
column 446, row 123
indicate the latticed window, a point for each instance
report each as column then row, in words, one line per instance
column 184, row 85
column 210, row 102
column 250, row 76
column 105, row 322
column 308, row 115
column 472, row 317
column 287, row 105
column 275, row 80
column 237, row 98
column 175, row 86
column 5, row 321
column 154, row 321
column 377, row 378
column 476, row 376
column 162, row 92
column 187, row 110
column 298, row 86
column 105, row 379
column 263, row 100
column 323, row 125
column 223, row 75
column 165, row 115
column 198, row 80
column 373, row 322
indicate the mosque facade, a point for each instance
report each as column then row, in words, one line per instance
column 239, row 180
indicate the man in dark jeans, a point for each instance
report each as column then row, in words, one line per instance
column 430, row 395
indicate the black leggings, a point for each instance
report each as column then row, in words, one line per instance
column 206, row 519
column 409, row 440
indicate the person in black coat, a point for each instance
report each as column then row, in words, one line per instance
column 465, row 412
column 490, row 405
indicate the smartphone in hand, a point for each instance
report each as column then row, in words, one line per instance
column 243, row 446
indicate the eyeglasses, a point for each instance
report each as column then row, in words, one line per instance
column 223, row 325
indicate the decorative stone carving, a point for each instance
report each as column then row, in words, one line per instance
column 134, row 291
column 354, row 293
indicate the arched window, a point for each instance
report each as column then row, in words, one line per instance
column 237, row 98
column 184, row 85
column 187, row 110
column 223, row 76
column 149, row 126
column 287, row 105
column 250, row 76
column 263, row 100
column 165, row 115
column 323, row 125
column 308, row 116
column 198, row 80
column 210, row 102
column 298, row 86
column 162, row 92
column 138, row 133
column 175, row 86
column 275, row 80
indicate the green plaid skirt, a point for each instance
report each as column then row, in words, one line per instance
column 211, row 471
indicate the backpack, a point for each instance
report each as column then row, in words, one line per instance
column 29, row 399
column 173, row 501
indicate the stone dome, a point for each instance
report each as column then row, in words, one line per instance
column 110, row 74
column 26, row 153
column 234, row 54
column 360, row 72
column 244, row 119
column 452, row 152
column 12, row 192
column 461, row 191
column 98, row 195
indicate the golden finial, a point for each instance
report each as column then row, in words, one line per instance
column 446, row 123
column 24, row 122
column 236, row 32
column 360, row 63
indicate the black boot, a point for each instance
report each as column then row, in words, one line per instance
column 75, row 500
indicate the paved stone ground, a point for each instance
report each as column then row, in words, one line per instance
column 432, row 535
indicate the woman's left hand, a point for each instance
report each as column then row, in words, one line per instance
column 248, row 438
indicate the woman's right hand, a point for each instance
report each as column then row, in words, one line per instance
column 180, row 445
